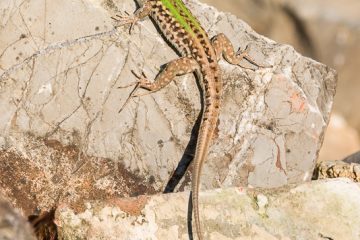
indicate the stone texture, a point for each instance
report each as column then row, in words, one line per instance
column 326, row 30
column 348, row 167
column 337, row 46
column 292, row 212
column 336, row 169
column 63, row 140
column 12, row 224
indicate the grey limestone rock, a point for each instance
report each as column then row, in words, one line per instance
column 64, row 140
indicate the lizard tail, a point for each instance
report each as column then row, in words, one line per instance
column 205, row 136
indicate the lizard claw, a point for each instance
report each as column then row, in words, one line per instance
column 143, row 76
column 141, row 82
column 129, row 85
column 126, row 19
column 141, row 79
column 131, row 95
column 245, row 54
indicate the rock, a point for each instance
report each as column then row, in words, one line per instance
column 353, row 158
column 12, row 224
column 349, row 167
column 336, row 169
column 340, row 140
column 325, row 30
column 292, row 212
column 337, row 46
column 277, row 19
column 63, row 139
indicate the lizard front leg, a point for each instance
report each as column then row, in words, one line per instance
column 223, row 46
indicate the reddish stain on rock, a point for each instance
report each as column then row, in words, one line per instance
column 132, row 206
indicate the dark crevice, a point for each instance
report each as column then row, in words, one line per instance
column 44, row 225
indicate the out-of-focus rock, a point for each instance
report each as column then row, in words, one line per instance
column 349, row 167
column 63, row 140
column 336, row 169
column 353, row 158
column 340, row 140
column 13, row 226
column 292, row 212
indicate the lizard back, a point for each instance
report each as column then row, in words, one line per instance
column 185, row 33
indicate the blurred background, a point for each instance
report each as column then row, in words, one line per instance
column 327, row 31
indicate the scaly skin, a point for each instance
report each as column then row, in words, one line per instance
column 199, row 55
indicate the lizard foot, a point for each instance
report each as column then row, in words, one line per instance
column 125, row 19
column 244, row 54
column 142, row 82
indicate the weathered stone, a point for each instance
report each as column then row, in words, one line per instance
column 12, row 224
column 316, row 210
column 349, row 167
column 62, row 137
column 325, row 30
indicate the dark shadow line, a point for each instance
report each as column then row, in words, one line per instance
column 185, row 160
column 189, row 218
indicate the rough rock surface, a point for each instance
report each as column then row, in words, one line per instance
column 63, row 140
column 334, row 30
column 349, row 167
column 325, row 30
column 317, row 210
column 336, row 169
column 12, row 224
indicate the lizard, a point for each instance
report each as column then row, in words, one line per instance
column 198, row 54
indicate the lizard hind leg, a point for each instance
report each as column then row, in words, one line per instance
column 245, row 55
column 174, row 68
column 224, row 47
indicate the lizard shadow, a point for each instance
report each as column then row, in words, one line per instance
column 189, row 217
column 190, row 149
column 181, row 170
column 186, row 160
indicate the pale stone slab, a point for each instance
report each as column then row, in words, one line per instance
column 317, row 210
column 61, row 134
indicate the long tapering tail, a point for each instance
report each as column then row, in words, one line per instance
column 206, row 133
